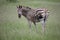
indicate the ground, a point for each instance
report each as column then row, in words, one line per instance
column 13, row 28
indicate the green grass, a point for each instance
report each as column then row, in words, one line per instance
column 13, row 28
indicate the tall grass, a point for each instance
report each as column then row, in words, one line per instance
column 13, row 28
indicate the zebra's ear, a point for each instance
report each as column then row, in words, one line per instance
column 20, row 6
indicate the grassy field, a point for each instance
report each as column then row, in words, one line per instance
column 13, row 28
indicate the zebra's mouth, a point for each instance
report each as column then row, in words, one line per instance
column 19, row 15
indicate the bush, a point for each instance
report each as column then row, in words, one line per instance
column 12, row 0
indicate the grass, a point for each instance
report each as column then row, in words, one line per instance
column 13, row 28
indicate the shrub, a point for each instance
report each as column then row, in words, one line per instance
column 12, row 0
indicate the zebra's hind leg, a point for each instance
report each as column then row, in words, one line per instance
column 43, row 25
column 35, row 26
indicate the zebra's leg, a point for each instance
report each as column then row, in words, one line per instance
column 35, row 26
column 43, row 25
column 29, row 23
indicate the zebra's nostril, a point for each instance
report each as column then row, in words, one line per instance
column 19, row 15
